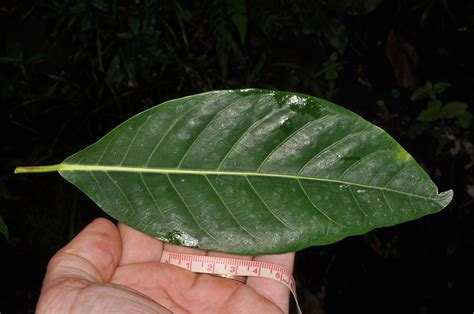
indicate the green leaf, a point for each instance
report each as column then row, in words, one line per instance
column 336, row 34
column 330, row 75
column 432, row 112
column 134, row 24
column 125, row 35
column 440, row 87
column 101, row 5
column 424, row 92
column 465, row 119
column 355, row 7
column 3, row 228
column 10, row 60
column 428, row 85
column 237, row 9
column 454, row 109
column 419, row 94
column 251, row 172
column 183, row 14
column 395, row 93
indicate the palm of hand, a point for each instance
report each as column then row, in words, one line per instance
column 110, row 269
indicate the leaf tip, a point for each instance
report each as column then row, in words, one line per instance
column 445, row 198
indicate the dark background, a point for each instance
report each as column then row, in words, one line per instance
column 72, row 70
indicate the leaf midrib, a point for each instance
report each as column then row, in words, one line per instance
column 204, row 172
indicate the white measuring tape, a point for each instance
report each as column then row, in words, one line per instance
column 231, row 266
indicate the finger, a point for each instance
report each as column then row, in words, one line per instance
column 183, row 249
column 138, row 247
column 271, row 289
column 92, row 255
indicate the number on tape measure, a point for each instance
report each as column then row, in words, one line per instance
column 232, row 266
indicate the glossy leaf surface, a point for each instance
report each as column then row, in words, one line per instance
column 252, row 172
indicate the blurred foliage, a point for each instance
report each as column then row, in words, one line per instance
column 3, row 228
column 70, row 70
column 435, row 109
column 448, row 122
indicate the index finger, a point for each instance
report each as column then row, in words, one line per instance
column 138, row 247
column 271, row 289
column 92, row 255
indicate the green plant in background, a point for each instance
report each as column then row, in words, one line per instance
column 4, row 195
column 448, row 122
column 436, row 109
column 331, row 67
column 98, row 61
column 251, row 172
column 229, row 17
column 3, row 227
column 322, row 82
column 325, row 19
column 99, row 54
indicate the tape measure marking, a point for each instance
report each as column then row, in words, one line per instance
column 231, row 266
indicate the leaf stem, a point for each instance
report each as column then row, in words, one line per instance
column 38, row 169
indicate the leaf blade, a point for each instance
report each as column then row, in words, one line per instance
column 253, row 172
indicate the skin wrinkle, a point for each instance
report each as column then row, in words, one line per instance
column 234, row 293
column 94, row 294
column 78, row 300
column 231, row 295
column 242, row 289
column 59, row 290
column 170, row 297
column 194, row 282
column 167, row 297
column 194, row 291
column 56, row 263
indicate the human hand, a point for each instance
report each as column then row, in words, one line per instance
column 106, row 268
